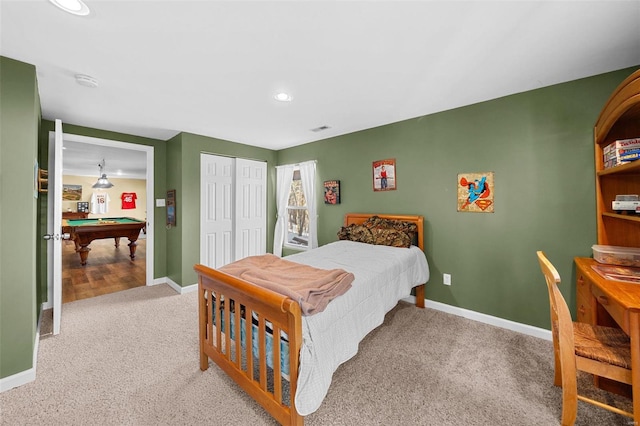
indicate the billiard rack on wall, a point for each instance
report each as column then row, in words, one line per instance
column 43, row 180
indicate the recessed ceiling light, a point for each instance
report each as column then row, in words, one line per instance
column 283, row 97
column 76, row 7
column 86, row 80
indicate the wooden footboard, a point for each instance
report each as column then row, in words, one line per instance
column 235, row 316
column 230, row 309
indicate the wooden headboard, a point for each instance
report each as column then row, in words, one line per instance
column 359, row 218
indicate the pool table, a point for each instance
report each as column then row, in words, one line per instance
column 83, row 231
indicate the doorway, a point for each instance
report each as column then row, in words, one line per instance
column 130, row 168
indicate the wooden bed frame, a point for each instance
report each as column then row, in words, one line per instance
column 283, row 313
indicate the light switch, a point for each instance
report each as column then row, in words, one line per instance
column 160, row 202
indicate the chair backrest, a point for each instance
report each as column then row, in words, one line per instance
column 561, row 322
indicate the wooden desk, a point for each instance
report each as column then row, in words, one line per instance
column 612, row 303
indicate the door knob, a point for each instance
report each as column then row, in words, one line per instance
column 64, row 236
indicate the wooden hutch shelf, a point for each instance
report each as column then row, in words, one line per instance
column 619, row 119
column 630, row 168
column 622, row 216
column 599, row 300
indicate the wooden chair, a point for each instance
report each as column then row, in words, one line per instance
column 602, row 351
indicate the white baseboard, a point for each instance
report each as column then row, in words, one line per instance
column 18, row 379
column 26, row 376
column 529, row 330
column 162, row 280
column 177, row 287
column 189, row 288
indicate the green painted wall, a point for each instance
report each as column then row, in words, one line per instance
column 19, row 121
column 174, row 234
column 185, row 149
column 540, row 146
column 159, row 180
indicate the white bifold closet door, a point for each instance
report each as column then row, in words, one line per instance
column 233, row 214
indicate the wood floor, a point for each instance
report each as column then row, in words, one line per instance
column 108, row 269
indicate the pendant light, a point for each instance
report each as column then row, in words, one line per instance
column 102, row 182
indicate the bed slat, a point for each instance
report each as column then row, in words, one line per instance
column 249, row 343
column 262, row 344
column 277, row 376
column 226, row 347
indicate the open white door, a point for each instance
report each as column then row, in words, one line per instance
column 54, row 222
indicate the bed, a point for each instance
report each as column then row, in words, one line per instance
column 285, row 360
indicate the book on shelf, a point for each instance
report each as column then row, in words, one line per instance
column 612, row 163
column 621, row 153
column 630, row 157
column 633, row 143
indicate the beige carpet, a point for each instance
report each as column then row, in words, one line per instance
column 131, row 358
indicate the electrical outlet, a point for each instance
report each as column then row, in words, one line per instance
column 446, row 279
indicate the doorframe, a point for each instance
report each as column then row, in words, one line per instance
column 149, row 264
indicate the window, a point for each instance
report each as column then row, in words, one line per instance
column 297, row 214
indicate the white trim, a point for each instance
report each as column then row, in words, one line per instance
column 297, row 164
column 157, row 281
column 177, row 287
column 174, row 285
column 18, row 379
column 150, row 206
column 189, row 288
column 529, row 330
column 26, row 376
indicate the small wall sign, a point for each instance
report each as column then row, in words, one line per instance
column 384, row 175
column 331, row 191
column 475, row 192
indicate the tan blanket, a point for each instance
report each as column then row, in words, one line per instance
column 313, row 288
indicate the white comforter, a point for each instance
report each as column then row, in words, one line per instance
column 383, row 276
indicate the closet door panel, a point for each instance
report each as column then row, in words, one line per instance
column 251, row 220
column 217, row 210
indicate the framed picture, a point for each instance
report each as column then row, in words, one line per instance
column 71, row 192
column 171, row 207
column 331, row 191
column 475, row 192
column 384, row 175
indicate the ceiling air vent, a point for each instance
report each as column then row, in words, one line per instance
column 321, row 128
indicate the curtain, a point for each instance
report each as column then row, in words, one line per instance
column 284, row 176
column 308, row 177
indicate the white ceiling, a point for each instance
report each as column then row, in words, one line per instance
column 213, row 67
column 83, row 159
